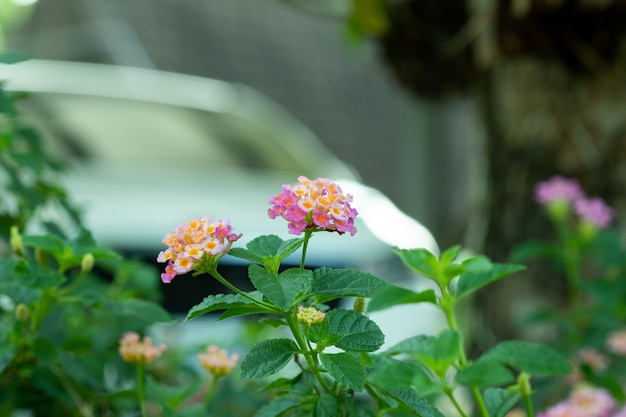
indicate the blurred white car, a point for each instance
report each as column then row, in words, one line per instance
column 149, row 150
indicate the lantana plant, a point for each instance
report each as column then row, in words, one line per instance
column 337, row 366
column 590, row 326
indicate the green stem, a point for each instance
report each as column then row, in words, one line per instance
column 450, row 395
column 140, row 389
column 447, row 305
column 227, row 284
column 530, row 412
column 211, row 392
column 311, row 356
column 307, row 237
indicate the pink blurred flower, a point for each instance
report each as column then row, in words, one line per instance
column 584, row 401
column 616, row 342
column 558, row 188
column 195, row 245
column 134, row 350
column 595, row 211
column 314, row 205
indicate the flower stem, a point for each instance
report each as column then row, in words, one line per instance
column 256, row 301
column 307, row 236
column 140, row 389
column 447, row 305
column 310, row 356
column 211, row 392
column 455, row 403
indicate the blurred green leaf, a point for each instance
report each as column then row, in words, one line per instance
column 327, row 405
column 499, row 401
column 533, row 358
column 479, row 272
column 278, row 407
column 392, row 295
column 485, row 373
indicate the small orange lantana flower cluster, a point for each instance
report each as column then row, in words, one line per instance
column 195, row 244
column 134, row 350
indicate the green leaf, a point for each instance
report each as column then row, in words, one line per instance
column 45, row 351
column 533, row 358
column 285, row 290
column 329, row 284
column 36, row 277
column 450, row 255
column 327, row 405
column 479, row 271
column 268, row 357
column 225, row 301
column 437, row 352
column 7, row 349
column 278, row 407
column 499, row 401
column 533, row 250
column 268, row 250
column 485, row 373
column 7, row 266
column 392, row 295
column 346, row 368
column 392, row 373
column 50, row 243
column 144, row 310
column 409, row 399
column 348, row 330
column 420, row 260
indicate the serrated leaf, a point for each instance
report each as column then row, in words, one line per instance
column 245, row 254
column 346, row 368
column 327, row 405
column 485, row 373
column 223, row 302
column 420, row 260
column 268, row 357
column 393, row 295
column 533, row 358
column 272, row 245
column 437, row 352
column 479, row 271
column 499, row 401
column 329, row 284
column 353, row 331
column 409, row 399
column 284, row 290
column 278, row 407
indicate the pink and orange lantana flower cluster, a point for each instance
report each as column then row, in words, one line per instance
column 314, row 205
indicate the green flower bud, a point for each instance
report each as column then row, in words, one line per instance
column 359, row 304
column 22, row 313
column 86, row 264
column 16, row 240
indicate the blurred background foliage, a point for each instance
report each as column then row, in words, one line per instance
column 508, row 93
